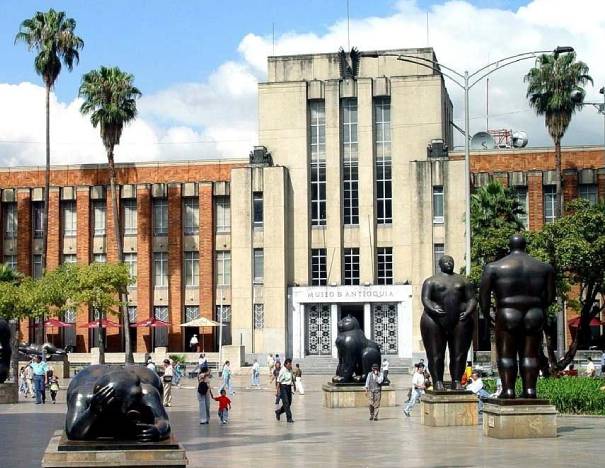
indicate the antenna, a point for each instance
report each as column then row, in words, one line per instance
column 348, row 28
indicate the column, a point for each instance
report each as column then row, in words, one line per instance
column 570, row 186
column 405, row 334
column 82, row 250
column 175, row 266
column 24, row 248
column 53, row 252
column 206, row 252
column 535, row 200
column 296, row 330
column 367, row 320
column 334, row 328
column 144, row 266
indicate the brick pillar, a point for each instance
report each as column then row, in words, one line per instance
column 206, row 245
column 570, row 186
column 144, row 266
column 53, row 254
column 83, row 256
column 501, row 177
column 535, row 199
column 24, row 249
column 601, row 183
column 114, row 344
column 175, row 266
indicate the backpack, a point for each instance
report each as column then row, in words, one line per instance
column 202, row 388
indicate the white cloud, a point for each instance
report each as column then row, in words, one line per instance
column 217, row 117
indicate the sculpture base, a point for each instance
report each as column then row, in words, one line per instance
column 519, row 419
column 353, row 396
column 9, row 393
column 62, row 452
column 449, row 408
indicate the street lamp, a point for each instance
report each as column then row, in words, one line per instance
column 466, row 81
column 600, row 107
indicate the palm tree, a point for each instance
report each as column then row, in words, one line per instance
column 110, row 99
column 555, row 90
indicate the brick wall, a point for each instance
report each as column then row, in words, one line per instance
column 206, row 246
column 175, row 266
column 83, row 257
column 53, row 254
column 144, row 266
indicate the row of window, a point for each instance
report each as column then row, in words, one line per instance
column 319, row 266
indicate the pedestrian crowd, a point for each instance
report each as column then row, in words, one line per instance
column 36, row 377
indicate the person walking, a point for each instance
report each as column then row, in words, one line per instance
column 167, row 382
column 417, row 389
column 271, row 364
column 297, row 372
column 29, row 380
column 591, row 370
column 255, row 374
column 224, row 405
column 202, row 362
column 39, row 368
column 203, row 394
column 374, row 391
column 193, row 342
column 151, row 365
column 227, row 379
column 53, row 383
column 285, row 383
column 385, row 370
column 22, row 383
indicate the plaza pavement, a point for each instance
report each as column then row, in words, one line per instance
column 320, row 437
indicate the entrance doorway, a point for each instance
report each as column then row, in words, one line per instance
column 354, row 310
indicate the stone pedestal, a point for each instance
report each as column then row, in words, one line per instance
column 449, row 408
column 353, row 396
column 519, row 419
column 94, row 356
column 62, row 452
column 9, row 393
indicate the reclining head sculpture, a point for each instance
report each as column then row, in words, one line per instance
column 5, row 350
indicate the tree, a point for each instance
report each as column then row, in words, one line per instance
column 110, row 99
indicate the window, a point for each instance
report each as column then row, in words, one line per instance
column 10, row 220
column 588, row 192
column 160, row 334
column 385, row 265
column 259, row 316
column 257, row 208
column 223, row 215
column 438, row 204
column 191, row 222
column 132, row 314
column 160, row 269
column 438, row 252
column 319, row 274
column 130, row 259
column 351, row 262
column 225, row 312
column 259, row 266
column 69, row 218
column 37, row 266
column 550, row 202
column 69, row 259
column 223, row 268
column 160, row 217
column 191, row 313
column 99, row 258
column 38, row 220
column 192, row 269
column 129, row 215
column 350, row 162
column 384, row 181
column 99, row 209
column 521, row 196
column 11, row 262
column 318, row 162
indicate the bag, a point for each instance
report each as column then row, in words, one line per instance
column 167, row 378
column 54, row 387
column 202, row 388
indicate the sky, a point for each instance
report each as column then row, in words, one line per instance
column 198, row 64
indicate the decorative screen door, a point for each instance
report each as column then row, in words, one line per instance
column 319, row 334
column 385, row 327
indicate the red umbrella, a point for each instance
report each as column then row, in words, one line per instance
column 53, row 322
column 151, row 323
column 575, row 322
column 104, row 323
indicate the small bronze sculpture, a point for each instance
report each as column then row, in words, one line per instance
column 120, row 403
column 356, row 354
column 29, row 350
column 523, row 287
column 5, row 350
column 449, row 303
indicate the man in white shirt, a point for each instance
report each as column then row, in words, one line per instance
column 167, row 382
column 591, row 370
column 374, row 391
column 476, row 386
column 256, row 374
column 193, row 342
column 151, row 365
column 417, row 389
column 285, row 382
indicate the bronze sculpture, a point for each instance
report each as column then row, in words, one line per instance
column 118, row 403
column 356, row 354
column 5, row 350
column 449, row 304
column 523, row 287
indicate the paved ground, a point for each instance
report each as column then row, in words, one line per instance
column 320, row 436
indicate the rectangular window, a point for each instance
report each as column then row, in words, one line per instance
column 160, row 334
column 99, row 209
column 191, row 263
column 257, row 209
column 384, row 180
column 259, row 266
column 319, row 273
column 191, row 215
column 385, row 265
column 36, row 266
column 69, row 218
column 550, row 202
column 192, row 313
column 438, row 252
column 317, row 138
column 160, row 217
column 160, row 269
column 130, row 259
column 223, row 215
column 350, row 162
column 520, row 193
column 132, row 314
column 38, row 219
column 11, row 262
column 129, row 215
column 259, row 316
column 351, row 266
column 588, row 192
column 223, row 268
column 69, row 259
column 438, row 204
column 99, row 258
column 10, row 221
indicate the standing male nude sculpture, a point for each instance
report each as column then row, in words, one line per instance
column 524, row 288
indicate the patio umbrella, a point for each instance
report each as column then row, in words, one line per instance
column 95, row 324
column 151, row 323
column 575, row 322
column 51, row 323
column 201, row 322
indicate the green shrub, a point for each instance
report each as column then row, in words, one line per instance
column 177, row 358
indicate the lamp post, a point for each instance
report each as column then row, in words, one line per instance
column 600, row 107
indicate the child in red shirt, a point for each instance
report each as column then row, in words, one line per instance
column 224, row 405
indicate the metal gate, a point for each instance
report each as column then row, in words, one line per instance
column 385, row 327
column 319, row 336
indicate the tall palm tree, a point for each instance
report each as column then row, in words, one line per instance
column 110, row 99
column 555, row 90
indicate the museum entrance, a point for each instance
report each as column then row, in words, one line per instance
column 354, row 310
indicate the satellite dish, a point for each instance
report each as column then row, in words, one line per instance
column 482, row 141
column 520, row 139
